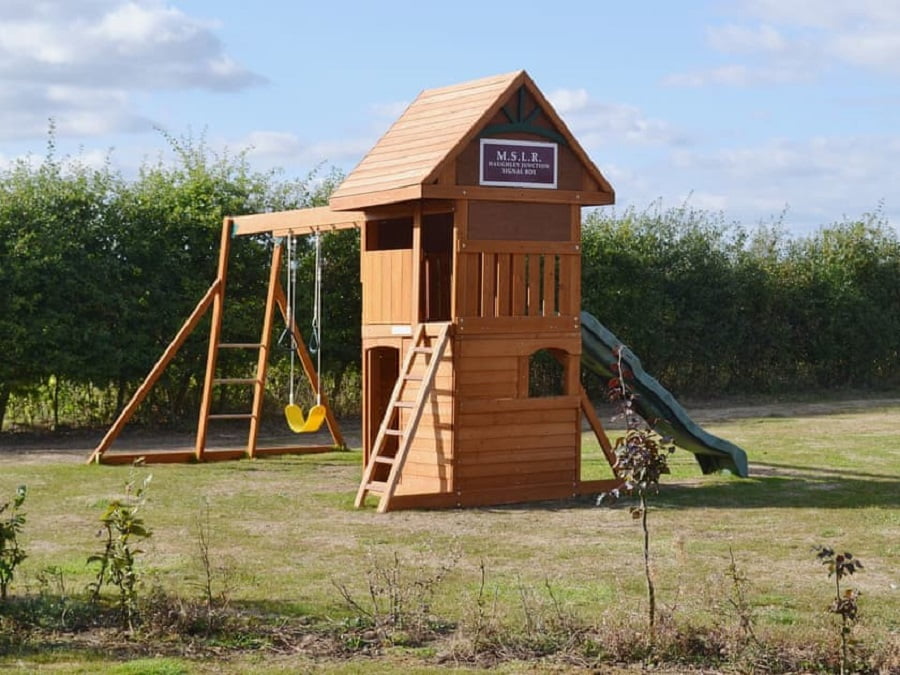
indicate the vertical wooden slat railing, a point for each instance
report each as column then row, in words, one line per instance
column 517, row 284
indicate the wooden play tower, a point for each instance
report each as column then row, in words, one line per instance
column 469, row 209
column 471, row 267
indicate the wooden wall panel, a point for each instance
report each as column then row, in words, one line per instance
column 563, row 477
column 517, row 221
column 430, row 463
column 515, row 442
column 386, row 277
column 536, row 470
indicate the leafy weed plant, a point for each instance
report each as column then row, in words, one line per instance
column 846, row 600
column 11, row 553
column 122, row 528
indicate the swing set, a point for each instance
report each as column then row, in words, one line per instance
column 285, row 227
column 293, row 413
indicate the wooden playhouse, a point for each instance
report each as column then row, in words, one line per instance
column 469, row 209
column 471, row 260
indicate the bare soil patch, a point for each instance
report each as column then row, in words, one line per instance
column 77, row 445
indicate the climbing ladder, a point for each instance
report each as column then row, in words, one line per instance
column 274, row 298
column 382, row 457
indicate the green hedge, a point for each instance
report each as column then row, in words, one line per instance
column 714, row 308
column 98, row 273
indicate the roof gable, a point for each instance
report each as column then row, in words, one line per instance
column 435, row 128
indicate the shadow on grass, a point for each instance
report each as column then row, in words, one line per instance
column 801, row 488
column 815, row 489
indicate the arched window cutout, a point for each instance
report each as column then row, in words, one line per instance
column 547, row 373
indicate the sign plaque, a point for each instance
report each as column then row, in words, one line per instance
column 508, row 163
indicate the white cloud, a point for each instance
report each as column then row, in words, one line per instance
column 834, row 14
column 819, row 178
column 287, row 148
column 787, row 42
column 25, row 111
column 567, row 101
column 735, row 38
column 80, row 63
column 739, row 75
column 596, row 123
column 877, row 49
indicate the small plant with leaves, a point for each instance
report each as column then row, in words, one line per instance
column 641, row 460
column 122, row 528
column 11, row 553
column 846, row 600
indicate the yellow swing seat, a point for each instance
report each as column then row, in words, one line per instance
column 293, row 413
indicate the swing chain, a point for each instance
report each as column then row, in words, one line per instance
column 315, row 340
column 291, row 299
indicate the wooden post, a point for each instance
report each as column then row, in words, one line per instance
column 416, row 285
column 597, row 427
column 460, row 236
column 215, row 333
column 265, row 348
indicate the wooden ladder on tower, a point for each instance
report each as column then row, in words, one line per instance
column 381, row 458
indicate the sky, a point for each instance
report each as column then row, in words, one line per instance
column 766, row 111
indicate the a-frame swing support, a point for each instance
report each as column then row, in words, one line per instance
column 279, row 224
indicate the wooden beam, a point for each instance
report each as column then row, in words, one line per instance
column 415, row 288
column 215, row 334
column 597, row 427
column 509, row 246
column 376, row 198
column 296, row 221
column 582, row 198
column 265, row 348
column 460, row 263
column 211, row 454
column 405, row 209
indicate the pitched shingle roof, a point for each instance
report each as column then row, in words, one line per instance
column 429, row 133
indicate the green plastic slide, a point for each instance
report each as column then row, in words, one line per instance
column 654, row 402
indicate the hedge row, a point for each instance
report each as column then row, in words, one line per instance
column 98, row 272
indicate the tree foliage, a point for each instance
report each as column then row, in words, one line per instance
column 713, row 308
column 102, row 272
column 98, row 272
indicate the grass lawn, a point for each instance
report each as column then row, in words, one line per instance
column 284, row 537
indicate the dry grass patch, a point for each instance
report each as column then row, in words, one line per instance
column 286, row 530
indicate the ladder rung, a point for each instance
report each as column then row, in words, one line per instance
column 232, row 416
column 235, row 380
column 413, row 378
column 240, row 345
column 393, row 432
column 381, row 459
column 423, row 350
column 376, row 486
column 405, row 404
